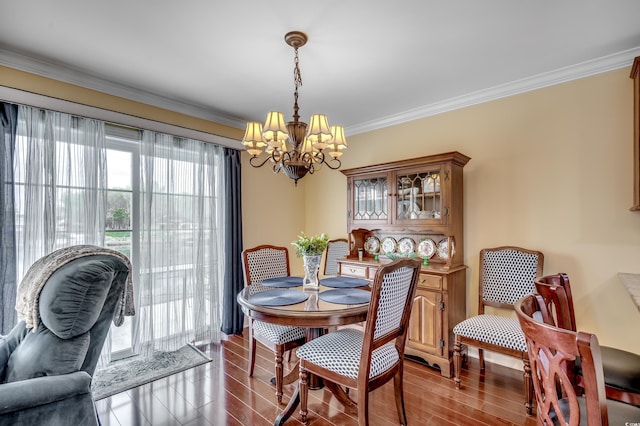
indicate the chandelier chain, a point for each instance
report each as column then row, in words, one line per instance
column 297, row 79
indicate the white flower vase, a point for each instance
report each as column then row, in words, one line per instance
column 311, row 265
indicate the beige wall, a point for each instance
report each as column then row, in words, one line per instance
column 550, row 170
column 273, row 209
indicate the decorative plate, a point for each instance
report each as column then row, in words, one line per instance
column 427, row 248
column 389, row 245
column 372, row 244
column 443, row 248
column 406, row 245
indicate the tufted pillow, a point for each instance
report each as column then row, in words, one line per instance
column 73, row 297
column 44, row 354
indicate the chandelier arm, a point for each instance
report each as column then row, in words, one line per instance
column 336, row 161
column 286, row 156
column 258, row 164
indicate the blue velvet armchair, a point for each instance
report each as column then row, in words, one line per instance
column 47, row 361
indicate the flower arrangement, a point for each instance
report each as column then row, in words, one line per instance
column 310, row 246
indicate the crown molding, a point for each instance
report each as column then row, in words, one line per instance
column 562, row 75
column 18, row 96
column 539, row 81
column 77, row 77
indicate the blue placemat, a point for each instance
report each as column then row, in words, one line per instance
column 344, row 282
column 346, row 296
column 278, row 297
column 283, row 282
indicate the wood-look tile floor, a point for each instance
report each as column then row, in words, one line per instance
column 220, row 393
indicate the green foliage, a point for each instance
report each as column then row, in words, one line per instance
column 310, row 246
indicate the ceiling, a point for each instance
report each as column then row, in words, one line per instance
column 368, row 64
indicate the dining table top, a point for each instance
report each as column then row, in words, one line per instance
column 313, row 309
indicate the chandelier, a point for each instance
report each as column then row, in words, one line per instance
column 294, row 148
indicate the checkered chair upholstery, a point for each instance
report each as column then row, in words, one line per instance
column 351, row 357
column 336, row 249
column 506, row 275
column 260, row 263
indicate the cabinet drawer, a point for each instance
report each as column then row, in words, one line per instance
column 432, row 282
column 357, row 271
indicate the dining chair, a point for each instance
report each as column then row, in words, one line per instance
column 553, row 352
column 365, row 360
column 506, row 274
column 336, row 249
column 621, row 368
column 260, row 263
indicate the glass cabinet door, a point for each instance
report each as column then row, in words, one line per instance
column 419, row 195
column 370, row 199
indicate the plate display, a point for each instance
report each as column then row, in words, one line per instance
column 406, row 245
column 443, row 246
column 372, row 244
column 389, row 245
column 427, row 248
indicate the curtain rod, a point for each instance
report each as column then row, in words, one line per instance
column 9, row 94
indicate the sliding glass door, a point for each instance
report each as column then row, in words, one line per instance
column 122, row 233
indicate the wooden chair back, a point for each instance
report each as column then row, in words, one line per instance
column 552, row 354
column 556, row 291
column 392, row 292
column 264, row 261
column 506, row 275
column 336, row 249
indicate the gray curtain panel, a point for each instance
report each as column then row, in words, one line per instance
column 8, row 284
column 232, row 316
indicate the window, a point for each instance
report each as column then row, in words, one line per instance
column 154, row 197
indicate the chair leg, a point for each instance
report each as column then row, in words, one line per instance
column 528, row 386
column 457, row 362
column 304, row 394
column 252, row 352
column 481, row 359
column 279, row 375
column 397, row 384
column 363, row 407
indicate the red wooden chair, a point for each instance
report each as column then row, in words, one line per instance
column 552, row 354
column 621, row 368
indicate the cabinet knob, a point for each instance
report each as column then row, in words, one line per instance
column 353, row 271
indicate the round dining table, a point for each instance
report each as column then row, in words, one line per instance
column 285, row 301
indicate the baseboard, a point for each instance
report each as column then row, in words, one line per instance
column 496, row 358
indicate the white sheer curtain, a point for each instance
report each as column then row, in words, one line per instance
column 181, row 250
column 60, row 183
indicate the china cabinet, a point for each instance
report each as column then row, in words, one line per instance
column 414, row 208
